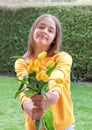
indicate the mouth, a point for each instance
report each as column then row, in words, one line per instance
column 42, row 37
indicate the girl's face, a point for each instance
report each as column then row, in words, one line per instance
column 45, row 32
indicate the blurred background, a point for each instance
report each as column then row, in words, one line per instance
column 17, row 17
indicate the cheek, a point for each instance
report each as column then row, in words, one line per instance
column 36, row 31
column 34, row 35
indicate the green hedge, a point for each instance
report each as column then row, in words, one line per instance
column 76, row 21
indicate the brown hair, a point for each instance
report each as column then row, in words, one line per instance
column 54, row 48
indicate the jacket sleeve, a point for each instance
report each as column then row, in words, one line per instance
column 62, row 71
column 21, row 70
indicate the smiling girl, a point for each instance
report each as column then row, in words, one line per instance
column 45, row 35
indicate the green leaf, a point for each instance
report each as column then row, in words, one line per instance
column 44, row 93
column 49, row 70
column 49, row 120
column 23, row 81
column 17, row 94
column 30, row 92
column 21, row 86
column 44, row 125
column 21, row 89
column 16, row 57
column 45, row 88
column 38, row 124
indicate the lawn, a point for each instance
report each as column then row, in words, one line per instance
column 11, row 115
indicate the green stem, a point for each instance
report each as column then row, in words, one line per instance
column 38, row 124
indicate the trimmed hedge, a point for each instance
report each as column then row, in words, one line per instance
column 76, row 21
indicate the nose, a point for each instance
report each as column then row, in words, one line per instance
column 45, row 30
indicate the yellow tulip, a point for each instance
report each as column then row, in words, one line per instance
column 37, row 63
column 42, row 55
column 35, row 69
column 58, row 80
column 38, row 76
column 29, row 71
column 50, row 64
column 44, row 77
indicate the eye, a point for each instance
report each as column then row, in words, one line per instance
column 51, row 30
column 41, row 27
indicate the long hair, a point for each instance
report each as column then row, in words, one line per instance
column 55, row 45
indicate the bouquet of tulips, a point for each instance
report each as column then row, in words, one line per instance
column 36, row 82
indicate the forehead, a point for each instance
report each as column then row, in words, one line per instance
column 47, row 21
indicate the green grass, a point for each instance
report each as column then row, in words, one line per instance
column 11, row 115
column 82, row 99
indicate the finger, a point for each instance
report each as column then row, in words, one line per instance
column 37, row 113
column 37, row 97
column 38, row 104
column 37, row 100
column 37, row 110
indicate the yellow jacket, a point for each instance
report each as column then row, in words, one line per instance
column 63, row 109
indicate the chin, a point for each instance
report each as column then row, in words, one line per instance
column 42, row 43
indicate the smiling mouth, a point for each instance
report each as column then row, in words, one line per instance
column 42, row 37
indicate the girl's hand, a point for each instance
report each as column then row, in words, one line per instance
column 41, row 101
column 34, row 113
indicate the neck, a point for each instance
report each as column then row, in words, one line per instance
column 39, row 49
